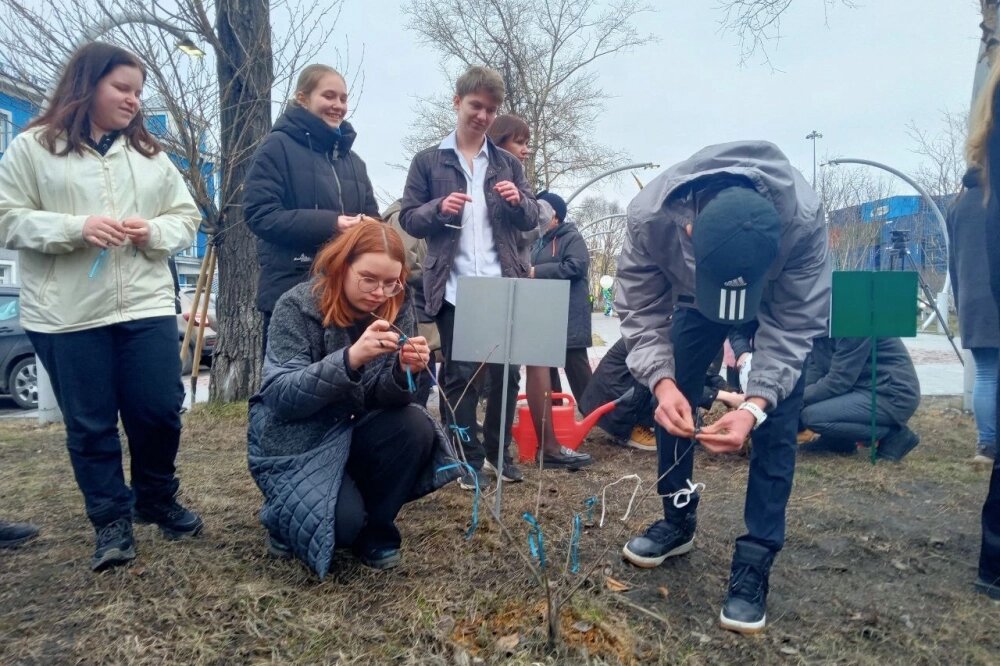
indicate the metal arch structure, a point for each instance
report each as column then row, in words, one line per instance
column 644, row 165
column 944, row 295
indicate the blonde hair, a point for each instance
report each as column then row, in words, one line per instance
column 981, row 126
column 478, row 79
column 309, row 78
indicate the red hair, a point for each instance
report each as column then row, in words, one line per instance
column 336, row 257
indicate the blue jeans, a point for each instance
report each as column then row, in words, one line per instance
column 772, row 457
column 984, row 393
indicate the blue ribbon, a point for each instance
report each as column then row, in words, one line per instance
column 462, row 432
column 536, row 543
column 574, row 543
column 98, row 263
column 590, row 503
column 475, row 500
column 410, row 384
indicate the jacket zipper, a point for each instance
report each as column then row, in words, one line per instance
column 119, row 289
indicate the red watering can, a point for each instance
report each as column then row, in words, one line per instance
column 569, row 431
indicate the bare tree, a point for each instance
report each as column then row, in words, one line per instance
column 219, row 108
column 943, row 153
column 544, row 50
column 843, row 191
column 602, row 225
column 758, row 22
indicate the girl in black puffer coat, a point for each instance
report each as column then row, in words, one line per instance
column 305, row 184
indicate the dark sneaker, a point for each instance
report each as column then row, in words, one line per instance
column 992, row 590
column 278, row 548
column 115, row 545
column 511, row 473
column 897, row 444
column 745, row 609
column 380, row 558
column 13, row 535
column 175, row 521
column 662, row 539
column 567, row 458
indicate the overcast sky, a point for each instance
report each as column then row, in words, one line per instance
column 858, row 76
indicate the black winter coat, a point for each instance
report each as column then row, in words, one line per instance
column 302, row 177
column 977, row 313
column 561, row 254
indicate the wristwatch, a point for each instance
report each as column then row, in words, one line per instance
column 758, row 413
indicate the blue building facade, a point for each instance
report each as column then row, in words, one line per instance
column 891, row 228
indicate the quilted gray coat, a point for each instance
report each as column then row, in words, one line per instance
column 301, row 421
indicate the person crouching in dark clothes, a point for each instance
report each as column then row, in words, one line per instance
column 630, row 423
column 335, row 444
column 837, row 403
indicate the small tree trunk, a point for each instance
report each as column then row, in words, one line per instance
column 245, row 78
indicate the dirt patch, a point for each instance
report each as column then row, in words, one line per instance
column 877, row 568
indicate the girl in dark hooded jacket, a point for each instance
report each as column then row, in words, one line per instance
column 305, row 184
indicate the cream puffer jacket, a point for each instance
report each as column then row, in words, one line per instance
column 44, row 201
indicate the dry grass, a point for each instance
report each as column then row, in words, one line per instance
column 877, row 569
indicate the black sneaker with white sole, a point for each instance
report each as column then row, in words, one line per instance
column 469, row 479
column 174, row 520
column 511, row 472
column 745, row 608
column 115, row 545
column 663, row 539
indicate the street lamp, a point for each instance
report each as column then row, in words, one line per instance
column 644, row 165
column 601, row 219
column 812, row 136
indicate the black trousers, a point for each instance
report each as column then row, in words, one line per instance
column 772, row 459
column 578, row 372
column 132, row 369
column 388, row 453
column 455, row 377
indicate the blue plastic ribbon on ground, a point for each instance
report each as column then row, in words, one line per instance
column 98, row 263
column 574, row 543
column 590, row 503
column 475, row 500
column 536, row 544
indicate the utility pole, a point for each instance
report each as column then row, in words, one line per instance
column 812, row 136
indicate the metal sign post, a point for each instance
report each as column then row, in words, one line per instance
column 511, row 321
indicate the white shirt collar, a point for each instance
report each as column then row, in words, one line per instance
column 450, row 142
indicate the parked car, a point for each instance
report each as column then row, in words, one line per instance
column 17, row 357
column 185, row 302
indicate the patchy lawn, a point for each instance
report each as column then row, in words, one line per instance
column 878, row 568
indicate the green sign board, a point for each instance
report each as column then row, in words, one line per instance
column 874, row 304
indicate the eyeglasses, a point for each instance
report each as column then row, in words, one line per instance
column 369, row 284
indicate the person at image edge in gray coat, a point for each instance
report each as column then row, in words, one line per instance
column 732, row 233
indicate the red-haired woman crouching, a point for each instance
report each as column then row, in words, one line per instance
column 335, row 444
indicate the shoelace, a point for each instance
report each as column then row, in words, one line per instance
column 748, row 583
column 112, row 532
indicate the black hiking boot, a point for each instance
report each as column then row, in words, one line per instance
column 745, row 609
column 115, row 545
column 897, row 444
column 174, row 521
column 13, row 535
column 380, row 558
column 664, row 538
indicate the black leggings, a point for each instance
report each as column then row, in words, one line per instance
column 388, row 454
